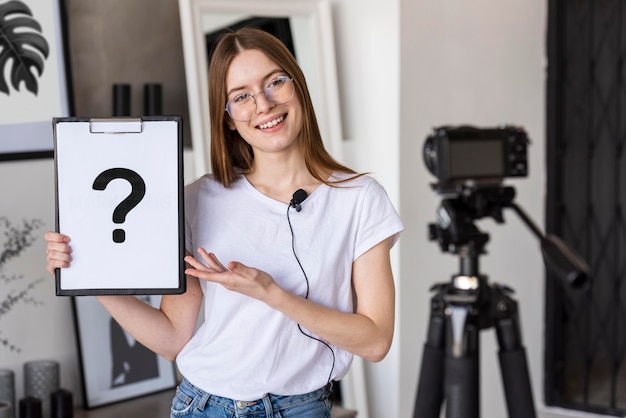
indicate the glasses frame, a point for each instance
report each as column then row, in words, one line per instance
column 253, row 96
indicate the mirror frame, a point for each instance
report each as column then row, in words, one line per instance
column 326, row 102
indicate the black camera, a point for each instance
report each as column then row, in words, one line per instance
column 486, row 155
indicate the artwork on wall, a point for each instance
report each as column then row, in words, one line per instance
column 34, row 77
column 116, row 367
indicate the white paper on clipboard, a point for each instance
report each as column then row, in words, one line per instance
column 119, row 191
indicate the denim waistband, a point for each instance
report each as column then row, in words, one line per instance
column 277, row 402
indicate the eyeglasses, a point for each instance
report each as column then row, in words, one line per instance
column 278, row 91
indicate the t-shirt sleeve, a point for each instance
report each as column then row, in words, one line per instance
column 377, row 219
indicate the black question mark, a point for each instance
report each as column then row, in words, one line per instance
column 137, row 193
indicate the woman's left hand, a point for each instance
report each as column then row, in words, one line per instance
column 237, row 277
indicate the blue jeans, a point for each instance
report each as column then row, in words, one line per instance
column 193, row 402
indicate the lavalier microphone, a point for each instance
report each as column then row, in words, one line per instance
column 298, row 197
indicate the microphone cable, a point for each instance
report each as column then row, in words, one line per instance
column 306, row 279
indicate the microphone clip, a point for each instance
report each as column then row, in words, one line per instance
column 297, row 198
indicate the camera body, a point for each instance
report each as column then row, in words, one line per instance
column 486, row 155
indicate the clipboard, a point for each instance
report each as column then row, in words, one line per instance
column 119, row 197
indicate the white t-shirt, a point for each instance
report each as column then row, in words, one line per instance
column 245, row 349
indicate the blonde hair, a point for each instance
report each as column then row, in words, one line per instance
column 231, row 156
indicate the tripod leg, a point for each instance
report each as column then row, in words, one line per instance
column 430, row 384
column 462, row 381
column 513, row 364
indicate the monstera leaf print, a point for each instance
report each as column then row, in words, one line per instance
column 22, row 45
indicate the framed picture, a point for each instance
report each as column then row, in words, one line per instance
column 34, row 76
column 115, row 367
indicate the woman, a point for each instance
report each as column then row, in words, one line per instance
column 310, row 281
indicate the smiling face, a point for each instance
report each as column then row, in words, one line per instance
column 273, row 127
column 236, row 146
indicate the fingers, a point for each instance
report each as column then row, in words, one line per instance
column 56, row 237
column 237, row 267
column 212, row 261
column 58, row 253
column 55, row 264
column 58, row 259
column 196, row 264
column 205, row 270
column 217, row 262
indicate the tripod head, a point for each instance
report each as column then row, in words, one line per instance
column 456, row 232
column 455, row 229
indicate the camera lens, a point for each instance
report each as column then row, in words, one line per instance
column 430, row 155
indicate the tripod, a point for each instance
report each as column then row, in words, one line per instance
column 466, row 305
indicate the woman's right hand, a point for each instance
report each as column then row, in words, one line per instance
column 59, row 252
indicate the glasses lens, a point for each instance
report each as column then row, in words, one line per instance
column 241, row 107
column 280, row 90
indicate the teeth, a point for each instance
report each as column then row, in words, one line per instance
column 272, row 123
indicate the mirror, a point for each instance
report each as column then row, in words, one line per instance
column 311, row 31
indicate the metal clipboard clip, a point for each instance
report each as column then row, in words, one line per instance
column 115, row 125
